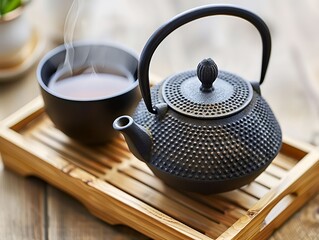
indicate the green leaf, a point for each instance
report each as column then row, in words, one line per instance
column 8, row 5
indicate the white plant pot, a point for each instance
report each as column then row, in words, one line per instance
column 15, row 33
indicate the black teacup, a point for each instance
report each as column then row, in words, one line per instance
column 102, row 87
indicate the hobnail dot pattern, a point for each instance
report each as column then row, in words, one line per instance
column 211, row 150
column 229, row 103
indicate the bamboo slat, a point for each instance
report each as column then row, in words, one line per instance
column 119, row 189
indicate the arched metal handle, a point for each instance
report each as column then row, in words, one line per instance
column 186, row 17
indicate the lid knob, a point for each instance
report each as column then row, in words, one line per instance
column 207, row 72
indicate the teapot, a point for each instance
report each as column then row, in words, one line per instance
column 204, row 130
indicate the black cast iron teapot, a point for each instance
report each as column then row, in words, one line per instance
column 204, row 130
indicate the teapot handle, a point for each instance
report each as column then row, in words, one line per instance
column 186, row 17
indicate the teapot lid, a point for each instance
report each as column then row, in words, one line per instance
column 207, row 93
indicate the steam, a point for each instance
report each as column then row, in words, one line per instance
column 69, row 29
column 68, row 67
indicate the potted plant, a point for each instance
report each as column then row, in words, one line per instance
column 15, row 32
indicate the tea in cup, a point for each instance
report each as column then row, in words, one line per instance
column 101, row 85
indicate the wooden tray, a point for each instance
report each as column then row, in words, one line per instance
column 119, row 189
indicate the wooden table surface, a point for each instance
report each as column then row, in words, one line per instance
column 32, row 209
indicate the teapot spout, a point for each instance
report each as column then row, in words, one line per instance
column 137, row 138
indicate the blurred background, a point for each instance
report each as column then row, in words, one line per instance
column 291, row 85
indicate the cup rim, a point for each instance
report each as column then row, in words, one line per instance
column 81, row 43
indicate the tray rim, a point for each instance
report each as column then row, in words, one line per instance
column 241, row 228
